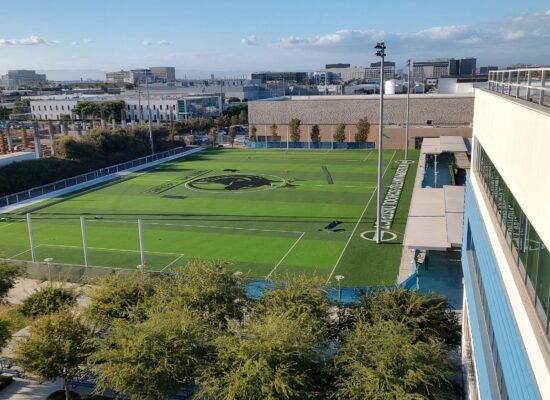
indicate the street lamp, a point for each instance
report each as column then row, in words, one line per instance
column 408, row 101
column 339, row 279
column 380, row 52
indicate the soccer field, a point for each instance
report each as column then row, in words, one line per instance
column 263, row 211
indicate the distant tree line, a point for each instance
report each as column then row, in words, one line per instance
column 96, row 149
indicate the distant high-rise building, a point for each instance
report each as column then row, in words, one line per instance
column 163, row 74
column 386, row 64
column 422, row 70
column 467, row 66
column 264, row 77
column 485, row 70
column 22, row 77
column 337, row 65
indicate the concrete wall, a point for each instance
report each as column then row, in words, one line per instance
column 445, row 110
column 516, row 136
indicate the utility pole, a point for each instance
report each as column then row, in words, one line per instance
column 408, row 104
column 380, row 52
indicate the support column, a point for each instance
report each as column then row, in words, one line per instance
column 37, row 144
column 51, row 131
column 63, row 127
column 123, row 119
column 8, row 137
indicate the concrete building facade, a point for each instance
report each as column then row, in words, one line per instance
column 505, row 254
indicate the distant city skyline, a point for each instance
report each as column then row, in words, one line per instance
column 234, row 38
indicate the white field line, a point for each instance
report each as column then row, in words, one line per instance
column 172, row 263
column 286, row 254
column 368, row 155
column 358, row 222
column 5, row 226
column 19, row 254
column 196, row 226
column 344, row 186
column 109, row 249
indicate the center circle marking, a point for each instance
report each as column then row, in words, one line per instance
column 387, row 236
column 235, row 183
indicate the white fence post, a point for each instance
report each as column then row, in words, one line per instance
column 141, row 245
column 84, row 240
column 31, row 237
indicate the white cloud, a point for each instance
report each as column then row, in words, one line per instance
column 74, row 43
column 515, row 35
column 251, row 40
column 164, row 43
column 147, row 43
column 87, row 41
column 28, row 41
column 444, row 32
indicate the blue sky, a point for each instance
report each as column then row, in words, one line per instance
column 245, row 35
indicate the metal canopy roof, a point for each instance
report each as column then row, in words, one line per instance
column 443, row 144
column 435, row 218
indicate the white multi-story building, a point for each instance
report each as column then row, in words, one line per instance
column 505, row 253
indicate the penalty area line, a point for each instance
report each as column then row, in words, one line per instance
column 358, row 222
column 172, row 263
column 286, row 254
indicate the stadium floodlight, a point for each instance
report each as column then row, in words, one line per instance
column 48, row 261
column 380, row 47
column 339, row 279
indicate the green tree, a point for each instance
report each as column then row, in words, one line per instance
column 119, row 297
column 427, row 316
column 274, row 356
column 231, row 135
column 5, row 332
column 212, row 136
column 8, row 275
column 273, row 129
column 233, row 100
column 315, row 134
column 253, row 136
column 57, row 345
column 340, row 133
column 87, row 109
column 243, row 117
column 48, row 300
column 294, row 126
column 363, row 128
column 223, row 121
column 4, row 114
column 155, row 358
column 234, row 120
column 384, row 361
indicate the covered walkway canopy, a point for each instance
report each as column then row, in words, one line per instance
column 443, row 144
column 435, row 218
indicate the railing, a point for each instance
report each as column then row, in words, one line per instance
column 89, row 176
column 525, row 83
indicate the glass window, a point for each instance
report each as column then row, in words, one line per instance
column 543, row 286
column 533, row 246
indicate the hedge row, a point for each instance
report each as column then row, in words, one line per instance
column 75, row 156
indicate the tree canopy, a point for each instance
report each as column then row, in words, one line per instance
column 363, row 129
column 340, row 133
column 294, row 126
column 315, row 134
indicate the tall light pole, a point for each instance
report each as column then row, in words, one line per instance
column 408, row 102
column 149, row 113
column 380, row 52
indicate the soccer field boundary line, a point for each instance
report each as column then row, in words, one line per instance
column 108, row 249
column 286, row 254
column 172, row 263
column 358, row 222
column 368, row 155
column 5, row 226
column 197, row 226
column 19, row 254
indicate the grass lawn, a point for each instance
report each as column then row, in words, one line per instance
column 263, row 211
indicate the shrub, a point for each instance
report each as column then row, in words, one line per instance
column 5, row 381
column 8, row 275
column 48, row 300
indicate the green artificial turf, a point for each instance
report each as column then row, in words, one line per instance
column 273, row 228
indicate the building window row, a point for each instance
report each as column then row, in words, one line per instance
column 531, row 254
column 476, row 272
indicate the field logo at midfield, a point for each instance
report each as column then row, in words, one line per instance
column 390, row 203
column 235, row 183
